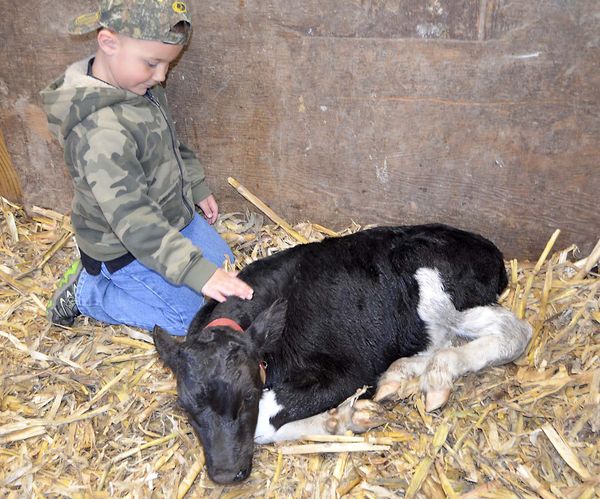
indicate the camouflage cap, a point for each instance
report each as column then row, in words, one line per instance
column 141, row 19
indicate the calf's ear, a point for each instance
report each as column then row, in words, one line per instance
column 166, row 346
column 266, row 329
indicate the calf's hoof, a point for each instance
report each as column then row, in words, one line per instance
column 437, row 380
column 357, row 417
column 434, row 399
column 395, row 390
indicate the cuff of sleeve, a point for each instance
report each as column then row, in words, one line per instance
column 200, row 192
column 201, row 272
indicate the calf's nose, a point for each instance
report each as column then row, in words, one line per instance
column 241, row 475
column 225, row 477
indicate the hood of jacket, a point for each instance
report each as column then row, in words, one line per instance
column 70, row 99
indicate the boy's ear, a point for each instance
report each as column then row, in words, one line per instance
column 266, row 329
column 167, row 347
column 108, row 41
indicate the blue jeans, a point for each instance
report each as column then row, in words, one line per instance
column 140, row 297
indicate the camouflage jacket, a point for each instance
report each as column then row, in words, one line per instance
column 135, row 184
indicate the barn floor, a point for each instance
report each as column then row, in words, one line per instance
column 90, row 411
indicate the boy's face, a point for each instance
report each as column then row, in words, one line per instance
column 137, row 65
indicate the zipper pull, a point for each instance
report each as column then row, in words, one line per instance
column 152, row 99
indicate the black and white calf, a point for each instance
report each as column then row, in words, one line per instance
column 328, row 318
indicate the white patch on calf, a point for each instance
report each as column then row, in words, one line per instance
column 435, row 308
column 266, row 433
column 267, row 408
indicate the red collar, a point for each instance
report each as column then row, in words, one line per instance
column 222, row 321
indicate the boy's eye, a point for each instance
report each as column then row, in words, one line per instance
column 151, row 64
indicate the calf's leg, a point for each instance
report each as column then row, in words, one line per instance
column 356, row 415
column 399, row 380
column 439, row 315
column 499, row 337
column 495, row 336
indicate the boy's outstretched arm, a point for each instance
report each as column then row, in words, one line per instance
column 224, row 284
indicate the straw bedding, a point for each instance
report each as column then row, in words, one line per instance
column 90, row 411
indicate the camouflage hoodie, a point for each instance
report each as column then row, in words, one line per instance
column 135, row 183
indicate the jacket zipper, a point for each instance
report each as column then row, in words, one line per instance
column 154, row 101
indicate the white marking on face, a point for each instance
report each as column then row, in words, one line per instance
column 267, row 408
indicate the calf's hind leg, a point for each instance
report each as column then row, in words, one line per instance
column 399, row 381
column 494, row 336
column 436, row 310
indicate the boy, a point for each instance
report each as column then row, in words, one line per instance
column 146, row 255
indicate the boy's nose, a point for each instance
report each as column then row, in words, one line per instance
column 161, row 73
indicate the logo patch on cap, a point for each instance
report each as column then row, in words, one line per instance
column 87, row 19
column 179, row 7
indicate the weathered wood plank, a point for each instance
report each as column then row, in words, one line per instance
column 10, row 188
column 496, row 135
column 479, row 113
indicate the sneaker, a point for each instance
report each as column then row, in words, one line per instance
column 62, row 308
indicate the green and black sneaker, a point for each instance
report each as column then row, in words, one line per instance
column 62, row 308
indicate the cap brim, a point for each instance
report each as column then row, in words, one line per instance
column 84, row 23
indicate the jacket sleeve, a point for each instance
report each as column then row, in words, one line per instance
column 108, row 162
column 195, row 172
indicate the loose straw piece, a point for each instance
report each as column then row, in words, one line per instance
column 541, row 316
column 444, row 482
column 345, row 489
column 63, row 220
column 105, row 389
column 589, row 262
column 10, row 428
column 530, row 480
column 332, row 447
column 338, row 472
column 21, row 288
column 23, row 434
column 370, row 439
column 418, row 478
column 123, row 340
column 326, row 231
column 277, row 474
column 11, row 225
column 565, row 451
column 544, row 255
column 536, row 269
column 147, row 445
column 266, row 210
column 190, row 477
column 58, row 244
column 422, row 470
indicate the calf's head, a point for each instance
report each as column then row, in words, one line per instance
column 219, row 385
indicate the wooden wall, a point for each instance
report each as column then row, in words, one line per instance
column 479, row 113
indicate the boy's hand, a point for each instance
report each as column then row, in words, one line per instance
column 223, row 284
column 210, row 209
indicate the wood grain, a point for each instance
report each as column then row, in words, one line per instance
column 479, row 113
column 10, row 188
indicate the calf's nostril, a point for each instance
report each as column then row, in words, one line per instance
column 241, row 475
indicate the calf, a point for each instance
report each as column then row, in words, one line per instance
column 330, row 317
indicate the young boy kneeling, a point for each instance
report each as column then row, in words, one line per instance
column 147, row 257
